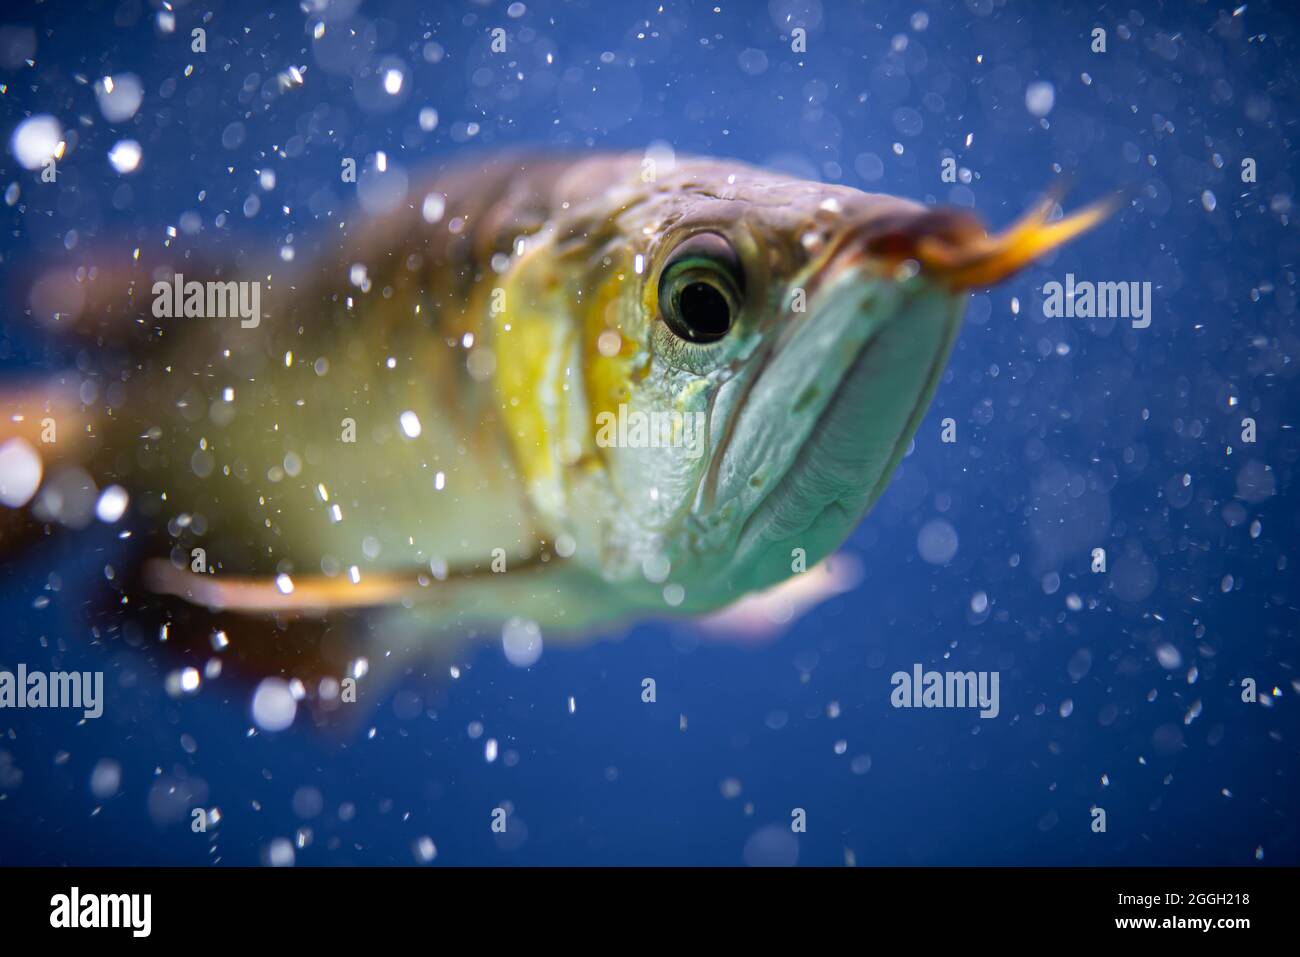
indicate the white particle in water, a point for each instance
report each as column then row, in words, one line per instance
column 36, row 140
column 112, row 504
column 521, row 640
column 609, row 343
column 424, row 849
column 435, row 204
column 410, row 424
column 181, row 682
column 273, row 705
column 20, row 472
column 125, row 156
column 105, row 779
column 1169, row 657
column 937, row 542
column 284, row 584
column 119, row 96
column 1040, row 97
column 279, row 853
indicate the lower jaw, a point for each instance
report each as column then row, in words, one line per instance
column 848, row 459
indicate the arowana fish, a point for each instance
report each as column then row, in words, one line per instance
column 560, row 391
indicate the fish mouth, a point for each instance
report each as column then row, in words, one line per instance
column 823, row 417
column 856, row 439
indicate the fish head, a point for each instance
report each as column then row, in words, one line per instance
column 759, row 351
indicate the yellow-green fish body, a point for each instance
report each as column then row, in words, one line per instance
column 570, row 391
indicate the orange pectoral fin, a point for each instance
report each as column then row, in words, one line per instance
column 49, row 416
column 315, row 596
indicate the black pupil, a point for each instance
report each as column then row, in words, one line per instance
column 705, row 312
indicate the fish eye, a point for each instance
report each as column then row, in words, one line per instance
column 701, row 288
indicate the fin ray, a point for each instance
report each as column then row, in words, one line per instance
column 991, row 259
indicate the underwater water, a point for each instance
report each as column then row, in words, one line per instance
column 1120, row 689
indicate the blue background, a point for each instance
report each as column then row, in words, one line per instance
column 1072, row 434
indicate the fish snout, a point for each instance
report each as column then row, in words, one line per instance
column 900, row 243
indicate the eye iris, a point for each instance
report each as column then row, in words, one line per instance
column 701, row 288
column 704, row 312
